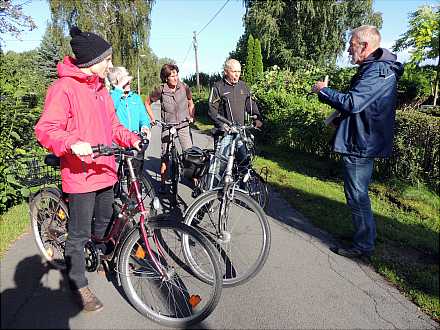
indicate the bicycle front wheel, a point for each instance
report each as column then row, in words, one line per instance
column 168, row 292
column 49, row 218
column 174, row 172
column 256, row 186
column 238, row 229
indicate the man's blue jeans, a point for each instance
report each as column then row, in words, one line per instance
column 357, row 177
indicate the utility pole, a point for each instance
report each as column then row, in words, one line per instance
column 197, row 61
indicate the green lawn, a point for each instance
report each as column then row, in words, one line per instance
column 12, row 224
column 407, row 217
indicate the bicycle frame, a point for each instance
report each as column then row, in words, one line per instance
column 171, row 151
column 123, row 216
column 228, row 193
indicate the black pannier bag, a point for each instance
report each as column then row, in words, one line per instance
column 195, row 162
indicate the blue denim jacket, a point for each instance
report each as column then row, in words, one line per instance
column 368, row 109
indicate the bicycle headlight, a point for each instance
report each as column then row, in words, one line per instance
column 173, row 131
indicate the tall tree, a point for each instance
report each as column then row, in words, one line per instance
column 49, row 54
column 125, row 24
column 13, row 20
column 309, row 29
column 249, row 66
column 423, row 37
column 258, row 59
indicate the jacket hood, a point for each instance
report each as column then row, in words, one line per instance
column 384, row 55
column 67, row 68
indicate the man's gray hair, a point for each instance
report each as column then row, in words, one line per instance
column 229, row 63
column 367, row 33
column 116, row 74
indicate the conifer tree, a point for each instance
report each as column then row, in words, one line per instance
column 258, row 59
column 49, row 54
column 249, row 67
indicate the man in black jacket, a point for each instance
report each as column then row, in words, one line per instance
column 365, row 128
column 231, row 98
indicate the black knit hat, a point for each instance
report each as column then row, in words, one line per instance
column 88, row 48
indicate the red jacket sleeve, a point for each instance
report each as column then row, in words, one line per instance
column 51, row 129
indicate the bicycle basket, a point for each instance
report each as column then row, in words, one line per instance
column 34, row 170
column 195, row 162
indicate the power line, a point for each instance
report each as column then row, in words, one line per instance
column 187, row 53
column 218, row 12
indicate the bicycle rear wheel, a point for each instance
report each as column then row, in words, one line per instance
column 49, row 218
column 243, row 244
column 174, row 297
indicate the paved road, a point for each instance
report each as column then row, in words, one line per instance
column 303, row 285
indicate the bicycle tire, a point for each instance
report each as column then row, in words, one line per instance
column 49, row 217
column 256, row 186
column 244, row 247
column 174, row 172
column 168, row 301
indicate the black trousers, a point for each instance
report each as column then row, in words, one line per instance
column 82, row 208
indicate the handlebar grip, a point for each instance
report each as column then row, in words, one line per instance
column 97, row 148
column 144, row 145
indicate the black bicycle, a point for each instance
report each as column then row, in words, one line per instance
column 173, row 155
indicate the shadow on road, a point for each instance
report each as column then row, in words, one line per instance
column 33, row 305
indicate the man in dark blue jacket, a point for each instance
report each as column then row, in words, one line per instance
column 364, row 128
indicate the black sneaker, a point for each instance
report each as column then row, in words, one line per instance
column 351, row 252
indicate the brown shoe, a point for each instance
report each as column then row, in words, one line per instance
column 88, row 301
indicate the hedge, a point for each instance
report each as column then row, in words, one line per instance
column 296, row 122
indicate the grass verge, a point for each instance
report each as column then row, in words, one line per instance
column 12, row 224
column 408, row 226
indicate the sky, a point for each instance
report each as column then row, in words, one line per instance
column 173, row 23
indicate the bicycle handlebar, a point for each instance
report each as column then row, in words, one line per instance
column 234, row 125
column 104, row 150
column 170, row 125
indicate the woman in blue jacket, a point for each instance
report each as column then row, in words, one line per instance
column 129, row 106
column 130, row 109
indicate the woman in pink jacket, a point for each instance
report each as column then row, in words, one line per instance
column 78, row 113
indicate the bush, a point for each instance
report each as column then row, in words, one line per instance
column 416, row 149
column 296, row 121
column 416, row 84
column 17, row 121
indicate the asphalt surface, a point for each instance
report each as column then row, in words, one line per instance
column 303, row 285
